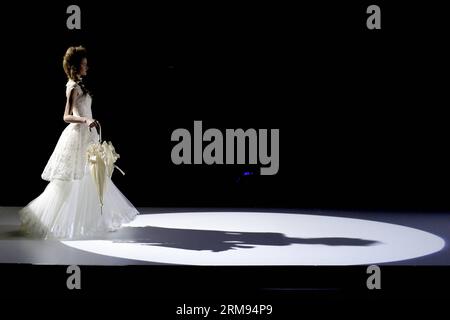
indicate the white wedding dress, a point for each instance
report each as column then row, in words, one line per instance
column 69, row 207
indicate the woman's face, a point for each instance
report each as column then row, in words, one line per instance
column 84, row 67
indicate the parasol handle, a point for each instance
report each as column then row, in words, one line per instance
column 99, row 132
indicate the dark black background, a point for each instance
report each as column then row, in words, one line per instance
column 361, row 112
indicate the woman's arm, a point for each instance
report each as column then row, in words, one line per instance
column 70, row 118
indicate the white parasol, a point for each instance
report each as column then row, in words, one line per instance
column 101, row 158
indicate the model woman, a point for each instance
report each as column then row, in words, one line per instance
column 69, row 207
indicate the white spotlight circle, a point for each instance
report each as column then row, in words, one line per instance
column 261, row 238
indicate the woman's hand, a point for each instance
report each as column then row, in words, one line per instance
column 92, row 123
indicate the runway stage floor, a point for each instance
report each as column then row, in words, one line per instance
column 244, row 237
column 289, row 257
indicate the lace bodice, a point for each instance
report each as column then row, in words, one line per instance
column 82, row 103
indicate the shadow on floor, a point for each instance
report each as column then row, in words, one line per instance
column 217, row 241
